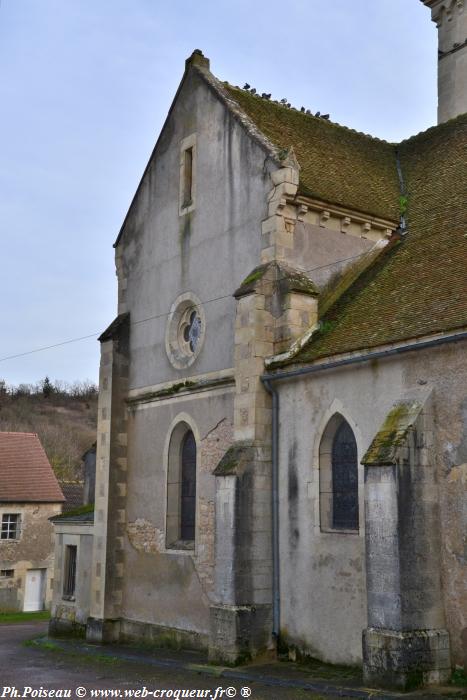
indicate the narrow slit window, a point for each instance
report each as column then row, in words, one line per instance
column 187, row 177
column 69, row 581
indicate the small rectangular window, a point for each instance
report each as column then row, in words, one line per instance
column 187, row 187
column 69, row 574
column 10, row 526
column 187, row 177
column 7, row 573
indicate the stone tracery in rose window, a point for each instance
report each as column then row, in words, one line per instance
column 190, row 330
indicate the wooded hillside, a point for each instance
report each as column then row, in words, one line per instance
column 64, row 416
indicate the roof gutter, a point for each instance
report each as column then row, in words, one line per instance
column 355, row 359
column 268, row 380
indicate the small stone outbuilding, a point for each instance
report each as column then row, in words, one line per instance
column 74, row 530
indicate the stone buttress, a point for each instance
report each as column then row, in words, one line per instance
column 111, row 469
column 406, row 642
column 275, row 304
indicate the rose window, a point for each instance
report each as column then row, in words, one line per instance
column 185, row 330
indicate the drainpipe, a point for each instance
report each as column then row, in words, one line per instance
column 276, row 610
column 403, row 191
column 267, row 380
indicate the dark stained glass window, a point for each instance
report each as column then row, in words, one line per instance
column 188, row 505
column 69, row 582
column 188, row 177
column 344, row 479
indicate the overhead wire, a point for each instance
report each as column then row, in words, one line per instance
column 156, row 316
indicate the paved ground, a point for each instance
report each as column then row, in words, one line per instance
column 23, row 667
column 37, row 669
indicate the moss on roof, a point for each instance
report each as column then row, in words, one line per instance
column 234, row 460
column 338, row 165
column 83, row 513
column 392, row 434
column 418, row 286
column 287, row 278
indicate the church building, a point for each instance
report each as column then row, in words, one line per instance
column 282, row 432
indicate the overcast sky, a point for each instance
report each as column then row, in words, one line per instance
column 85, row 86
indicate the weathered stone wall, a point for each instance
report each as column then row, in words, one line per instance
column 326, row 253
column 165, row 588
column 201, row 252
column 34, row 550
column 323, row 573
column 72, row 615
column 207, row 251
column 446, row 370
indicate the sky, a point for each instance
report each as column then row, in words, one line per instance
column 85, row 86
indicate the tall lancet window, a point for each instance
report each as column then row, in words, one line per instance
column 344, row 479
column 338, row 477
column 188, row 495
column 181, row 488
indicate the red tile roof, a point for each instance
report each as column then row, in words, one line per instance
column 25, row 471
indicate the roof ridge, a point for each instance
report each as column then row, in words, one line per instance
column 237, row 111
column 435, row 127
column 16, row 432
column 330, row 122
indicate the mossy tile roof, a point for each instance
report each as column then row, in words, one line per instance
column 338, row 165
column 418, row 286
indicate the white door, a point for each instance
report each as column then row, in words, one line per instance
column 34, row 593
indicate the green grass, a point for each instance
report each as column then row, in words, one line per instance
column 83, row 655
column 459, row 678
column 42, row 643
column 12, row 617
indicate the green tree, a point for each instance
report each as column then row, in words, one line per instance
column 47, row 388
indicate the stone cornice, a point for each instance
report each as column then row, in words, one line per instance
column 341, row 218
column 181, row 387
column 443, row 8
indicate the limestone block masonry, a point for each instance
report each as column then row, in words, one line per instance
column 451, row 19
column 275, row 305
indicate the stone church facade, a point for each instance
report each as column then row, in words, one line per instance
column 282, row 437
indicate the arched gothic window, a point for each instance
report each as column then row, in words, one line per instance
column 338, row 477
column 344, row 479
column 181, row 489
